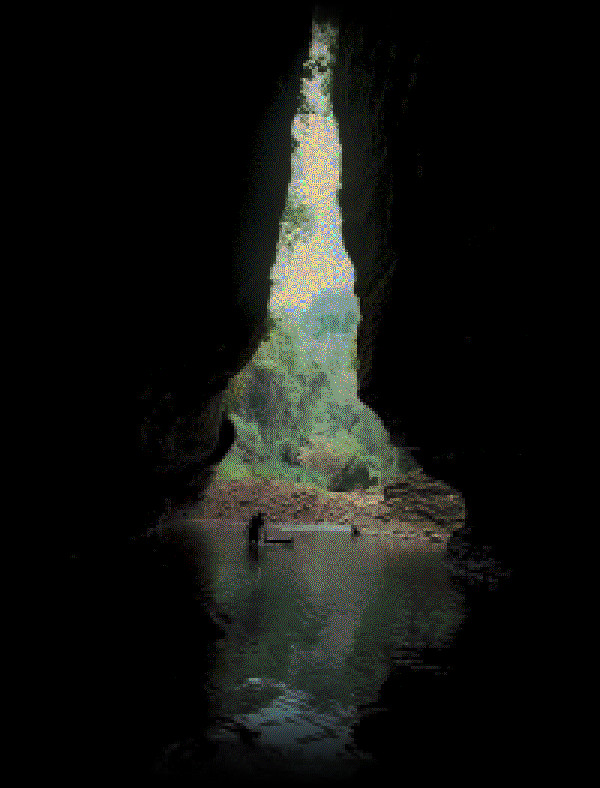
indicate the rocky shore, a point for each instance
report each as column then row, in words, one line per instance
column 412, row 505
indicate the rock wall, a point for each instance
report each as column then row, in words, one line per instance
column 184, row 143
column 166, row 153
column 173, row 190
column 189, row 178
column 436, row 125
column 435, row 196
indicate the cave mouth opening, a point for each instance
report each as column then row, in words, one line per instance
column 295, row 406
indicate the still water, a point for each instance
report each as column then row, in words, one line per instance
column 310, row 633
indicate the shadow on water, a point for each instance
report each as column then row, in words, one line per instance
column 192, row 656
column 475, row 716
column 135, row 631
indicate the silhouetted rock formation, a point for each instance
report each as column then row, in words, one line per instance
column 183, row 135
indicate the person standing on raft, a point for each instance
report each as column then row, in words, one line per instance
column 256, row 523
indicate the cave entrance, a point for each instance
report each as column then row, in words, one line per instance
column 300, row 424
column 295, row 406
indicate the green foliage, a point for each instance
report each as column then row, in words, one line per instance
column 304, row 108
column 276, row 469
column 236, row 392
column 232, row 468
column 247, row 433
column 296, row 420
column 297, row 220
column 268, row 327
column 287, row 451
column 295, row 212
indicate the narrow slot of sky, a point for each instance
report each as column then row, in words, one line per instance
column 317, row 260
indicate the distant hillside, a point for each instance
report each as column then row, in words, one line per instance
column 295, row 408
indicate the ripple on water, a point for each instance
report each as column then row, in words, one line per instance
column 291, row 728
column 312, row 633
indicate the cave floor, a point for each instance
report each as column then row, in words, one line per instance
column 417, row 509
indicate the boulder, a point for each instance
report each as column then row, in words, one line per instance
column 354, row 474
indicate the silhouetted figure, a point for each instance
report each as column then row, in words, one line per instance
column 355, row 531
column 256, row 523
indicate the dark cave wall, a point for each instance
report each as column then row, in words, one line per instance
column 184, row 136
column 437, row 206
column 228, row 137
column 168, row 146
column 175, row 243
column 436, row 194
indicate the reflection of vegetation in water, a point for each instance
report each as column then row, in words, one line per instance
column 325, row 622
column 269, row 621
column 387, row 626
column 423, row 614
column 330, row 624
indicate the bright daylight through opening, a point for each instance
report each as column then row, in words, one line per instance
column 295, row 405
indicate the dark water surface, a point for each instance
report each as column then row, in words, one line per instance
column 310, row 632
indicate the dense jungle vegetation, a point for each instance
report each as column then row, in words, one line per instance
column 295, row 408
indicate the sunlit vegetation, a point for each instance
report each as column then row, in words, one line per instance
column 297, row 220
column 298, row 418
column 295, row 406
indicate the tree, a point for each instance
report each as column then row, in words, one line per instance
column 297, row 220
